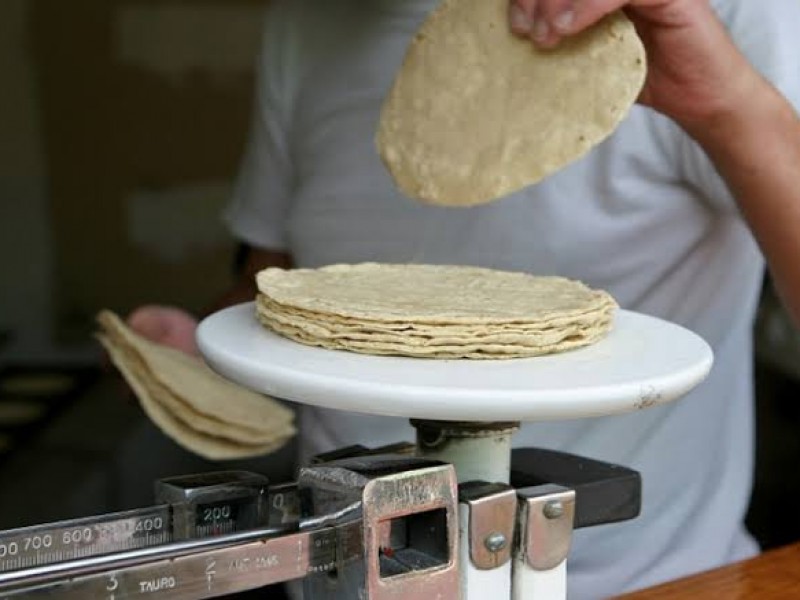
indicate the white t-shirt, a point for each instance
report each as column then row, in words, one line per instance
column 644, row 216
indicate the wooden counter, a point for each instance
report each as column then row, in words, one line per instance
column 774, row 575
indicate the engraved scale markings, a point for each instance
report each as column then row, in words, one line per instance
column 195, row 569
column 80, row 538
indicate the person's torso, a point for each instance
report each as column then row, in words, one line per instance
column 621, row 219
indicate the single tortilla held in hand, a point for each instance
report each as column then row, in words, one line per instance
column 477, row 113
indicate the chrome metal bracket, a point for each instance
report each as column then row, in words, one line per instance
column 546, row 518
column 492, row 520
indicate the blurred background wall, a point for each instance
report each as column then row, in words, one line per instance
column 121, row 126
column 125, row 121
column 26, row 243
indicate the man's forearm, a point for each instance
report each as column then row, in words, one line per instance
column 756, row 149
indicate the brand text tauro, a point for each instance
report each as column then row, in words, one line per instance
column 155, row 585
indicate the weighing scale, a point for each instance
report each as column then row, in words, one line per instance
column 457, row 515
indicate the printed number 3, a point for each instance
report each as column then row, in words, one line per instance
column 112, row 585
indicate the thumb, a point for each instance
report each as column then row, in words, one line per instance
column 148, row 323
column 165, row 325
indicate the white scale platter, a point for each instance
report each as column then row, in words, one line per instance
column 643, row 362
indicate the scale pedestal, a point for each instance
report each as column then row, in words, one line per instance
column 479, row 451
column 465, row 413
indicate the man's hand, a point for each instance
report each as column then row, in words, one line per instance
column 165, row 325
column 696, row 76
column 699, row 78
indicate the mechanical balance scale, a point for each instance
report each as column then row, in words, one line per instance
column 457, row 516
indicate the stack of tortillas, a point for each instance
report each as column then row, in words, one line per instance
column 432, row 311
column 477, row 113
column 197, row 408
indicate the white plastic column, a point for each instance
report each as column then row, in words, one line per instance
column 479, row 452
column 546, row 518
column 477, row 584
column 529, row 584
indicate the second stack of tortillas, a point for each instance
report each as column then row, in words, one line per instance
column 191, row 404
column 477, row 113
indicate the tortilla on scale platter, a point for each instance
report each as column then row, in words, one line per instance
column 445, row 312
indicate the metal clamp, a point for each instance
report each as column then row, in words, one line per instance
column 410, row 527
column 547, row 516
column 430, row 494
column 492, row 518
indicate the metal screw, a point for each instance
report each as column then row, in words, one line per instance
column 553, row 509
column 495, row 542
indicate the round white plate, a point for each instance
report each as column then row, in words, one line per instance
column 644, row 361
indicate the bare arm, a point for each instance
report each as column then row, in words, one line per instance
column 699, row 78
column 759, row 158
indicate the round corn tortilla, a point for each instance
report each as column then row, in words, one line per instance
column 475, row 350
column 476, row 113
column 432, row 294
column 203, row 390
column 149, row 393
column 432, row 311
column 190, row 403
column 335, row 323
column 316, row 327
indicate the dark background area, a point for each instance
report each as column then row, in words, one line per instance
column 122, row 124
